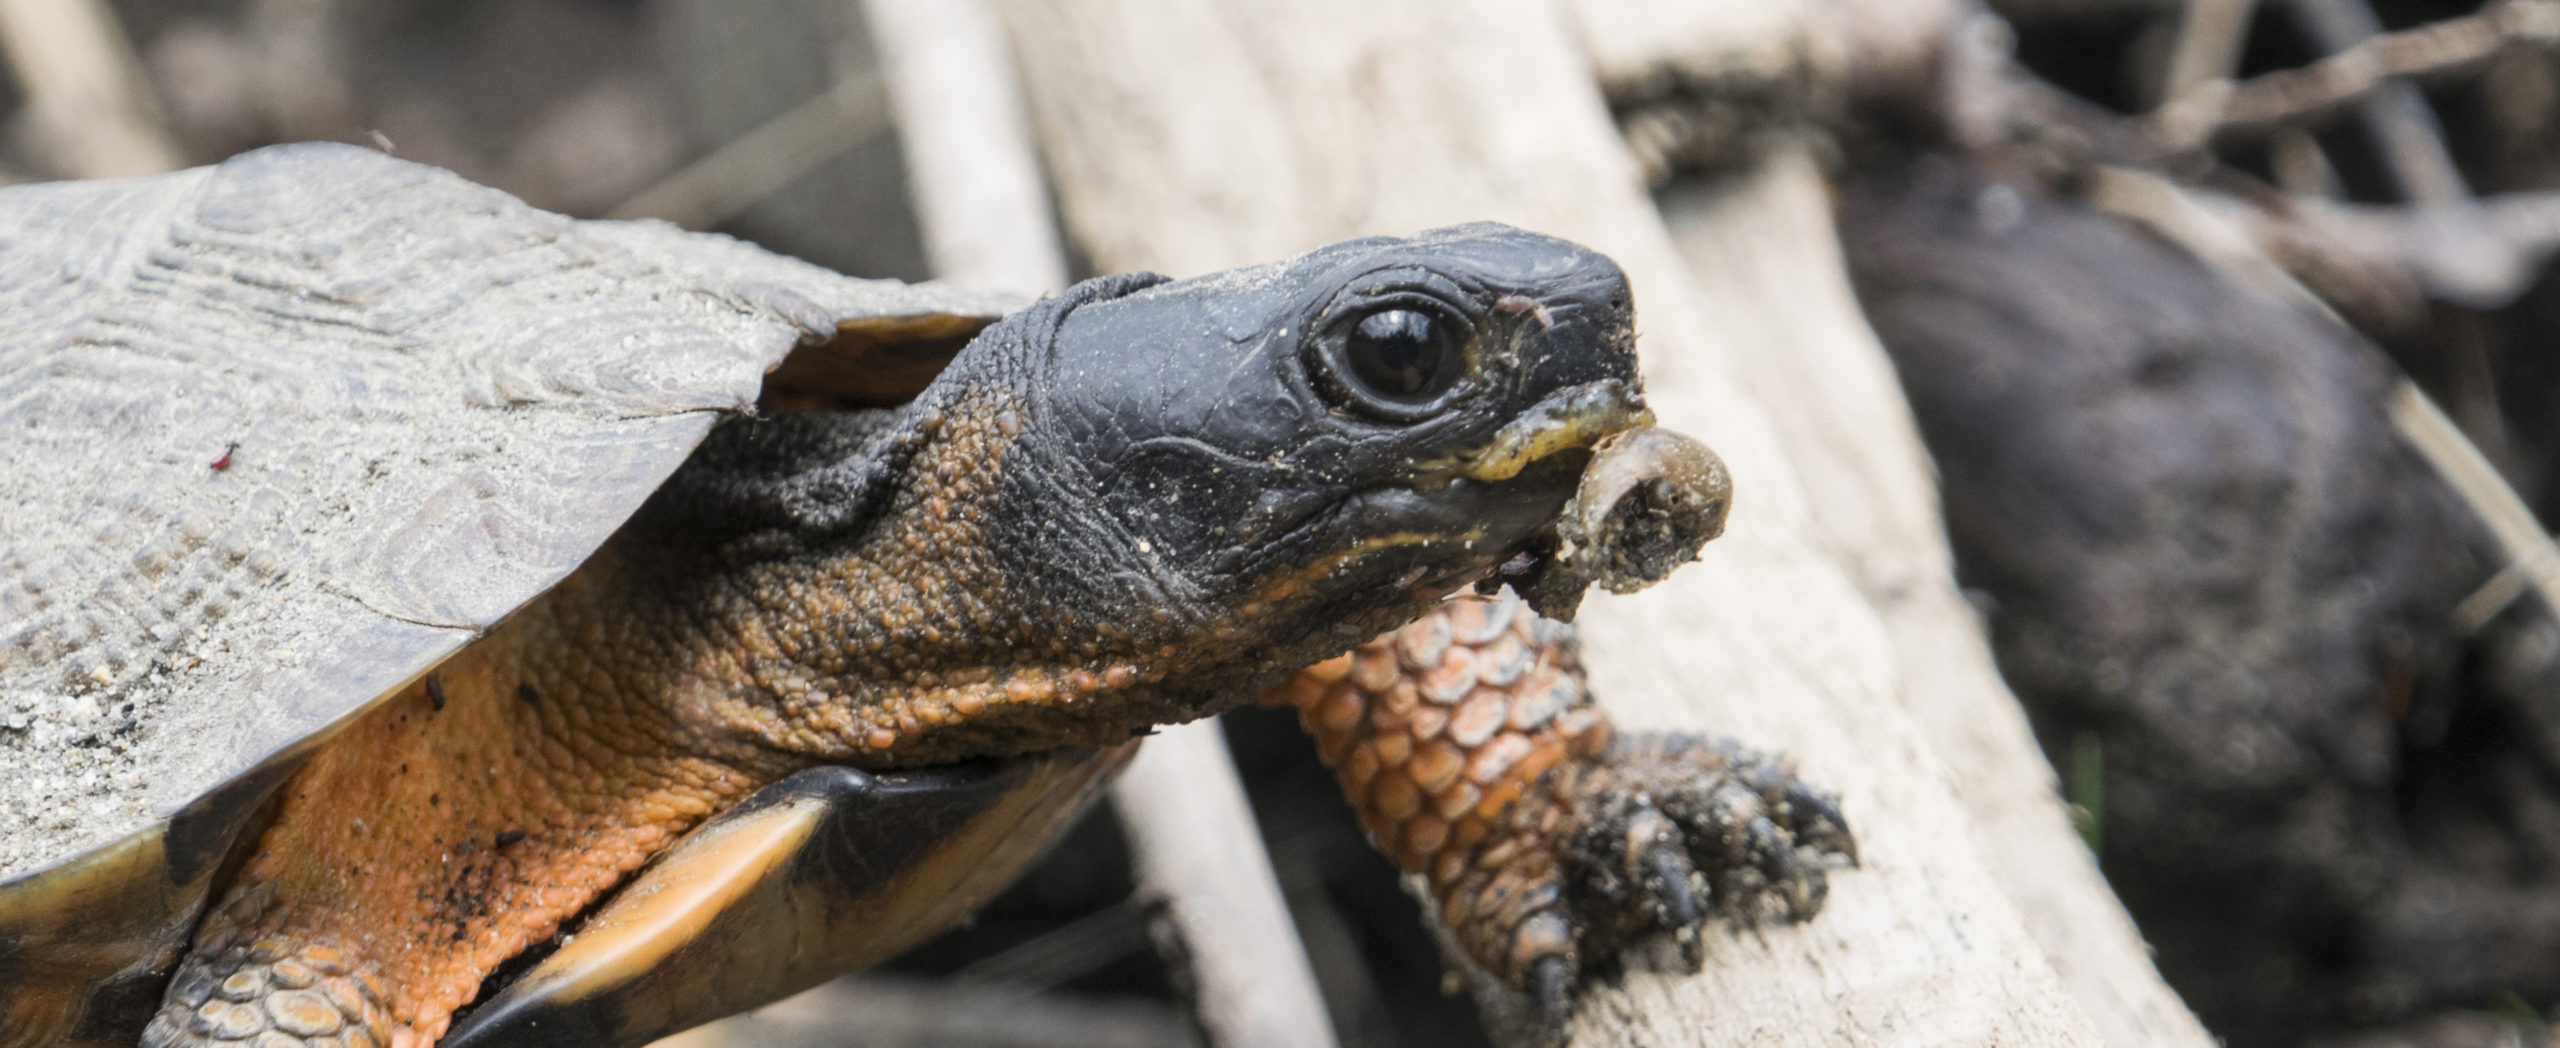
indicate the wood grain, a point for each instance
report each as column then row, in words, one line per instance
column 1187, row 136
column 1768, row 237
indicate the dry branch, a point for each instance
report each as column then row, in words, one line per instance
column 88, row 106
column 2481, row 253
column 2397, row 116
column 2349, row 77
column 2210, row 33
column 972, row 172
column 2533, row 560
column 1195, row 845
column 752, row 166
column 1187, row 136
column 2367, row 261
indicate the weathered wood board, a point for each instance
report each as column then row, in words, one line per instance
column 1188, row 136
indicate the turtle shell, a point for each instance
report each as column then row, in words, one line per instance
column 280, row 435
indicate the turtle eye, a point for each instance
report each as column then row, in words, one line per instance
column 1398, row 362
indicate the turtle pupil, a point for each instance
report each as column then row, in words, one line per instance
column 1402, row 354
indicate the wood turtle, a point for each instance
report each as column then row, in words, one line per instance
column 425, row 619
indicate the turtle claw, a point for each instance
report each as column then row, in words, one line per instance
column 1649, row 842
column 1550, row 985
column 1816, row 820
column 1672, row 888
column 1664, row 833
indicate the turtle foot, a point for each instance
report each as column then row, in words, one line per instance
column 1475, row 758
column 1652, row 839
column 270, row 993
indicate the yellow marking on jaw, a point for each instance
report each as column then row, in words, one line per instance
column 671, row 905
column 1566, row 420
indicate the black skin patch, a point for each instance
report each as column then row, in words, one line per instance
column 528, row 694
column 435, row 692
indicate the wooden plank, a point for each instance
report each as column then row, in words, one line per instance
column 1190, row 135
column 1765, row 236
column 1196, row 847
column 973, row 174
column 1769, row 236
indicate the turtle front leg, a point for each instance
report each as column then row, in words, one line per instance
column 1476, row 760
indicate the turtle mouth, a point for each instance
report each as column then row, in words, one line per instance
column 1579, row 489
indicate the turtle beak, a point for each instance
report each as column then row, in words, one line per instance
column 1575, row 486
column 1579, row 487
column 1571, row 419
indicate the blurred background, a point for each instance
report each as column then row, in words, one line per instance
column 2300, row 679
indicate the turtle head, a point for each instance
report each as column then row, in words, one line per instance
column 1140, row 500
column 1318, row 447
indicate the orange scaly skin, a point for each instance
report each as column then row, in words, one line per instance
column 469, row 816
column 1475, row 758
column 460, row 822
column 647, row 692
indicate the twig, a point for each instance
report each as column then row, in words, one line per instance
column 754, row 165
column 2458, row 248
column 2350, row 76
column 2302, row 169
column 2532, row 559
column 2397, row 116
column 975, row 180
column 2180, row 215
column 1196, row 847
column 2482, row 254
column 89, row 107
column 2208, row 49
